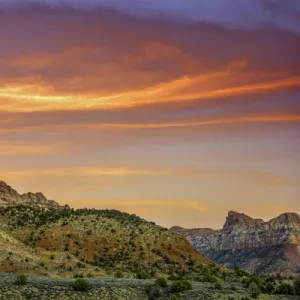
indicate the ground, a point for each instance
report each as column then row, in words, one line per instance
column 107, row 288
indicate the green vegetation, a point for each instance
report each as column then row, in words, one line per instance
column 24, row 215
column 117, row 241
column 21, row 280
column 181, row 286
column 119, row 274
column 92, row 243
column 81, row 285
column 161, row 282
column 143, row 275
column 218, row 285
column 286, row 289
column 254, row 290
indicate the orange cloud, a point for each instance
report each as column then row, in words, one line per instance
column 59, row 128
column 40, row 97
column 246, row 119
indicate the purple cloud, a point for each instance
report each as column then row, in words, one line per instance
column 241, row 14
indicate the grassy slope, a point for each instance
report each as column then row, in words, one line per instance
column 109, row 240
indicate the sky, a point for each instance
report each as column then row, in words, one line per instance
column 177, row 111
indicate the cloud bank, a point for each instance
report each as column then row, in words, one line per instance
column 241, row 14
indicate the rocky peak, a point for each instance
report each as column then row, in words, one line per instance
column 7, row 193
column 251, row 244
column 239, row 221
column 9, row 196
column 286, row 219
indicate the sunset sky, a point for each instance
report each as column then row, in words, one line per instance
column 175, row 110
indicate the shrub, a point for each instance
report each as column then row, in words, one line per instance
column 154, row 292
column 286, row 289
column 181, row 286
column 233, row 287
column 210, row 278
column 81, row 285
column 269, row 287
column 218, row 285
column 161, row 282
column 143, row 275
column 119, row 274
column 173, row 297
column 254, row 290
column 22, row 280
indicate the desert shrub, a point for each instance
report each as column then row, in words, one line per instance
column 256, row 279
column 143, row 275
column 161, row 282
column 81, row 285
column 286, row 289
column 22, row 280
column 269, row 287
column 181, row 286
column 254, row 290
column 210, row 278
column 119, row 274
column 218, row 285
column 233, row 287
column 154, row 292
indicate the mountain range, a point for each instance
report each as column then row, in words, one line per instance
column 251, row 244
column 41, row 236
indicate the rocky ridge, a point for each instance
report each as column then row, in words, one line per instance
column 251, row 244
column 9, row 196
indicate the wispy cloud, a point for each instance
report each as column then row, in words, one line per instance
column 23, row 98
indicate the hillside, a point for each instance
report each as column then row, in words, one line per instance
column 251, row 244
column 118, row 256
column 40, row 235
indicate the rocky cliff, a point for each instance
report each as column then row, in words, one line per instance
column 251, row 244
column 9, row 196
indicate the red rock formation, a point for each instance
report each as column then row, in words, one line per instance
column 252, row 244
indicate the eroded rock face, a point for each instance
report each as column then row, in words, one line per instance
column 9, row 196
column 251, row 244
